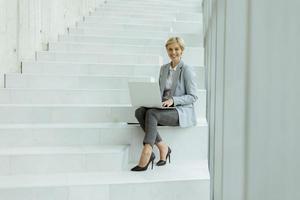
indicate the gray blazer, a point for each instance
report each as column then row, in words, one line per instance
column 183, row 90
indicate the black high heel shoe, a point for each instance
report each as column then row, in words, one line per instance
column 163, row 162
column 138, row 168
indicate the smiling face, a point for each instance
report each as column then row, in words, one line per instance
column 174, row 53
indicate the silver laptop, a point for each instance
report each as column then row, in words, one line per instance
column 146, row 94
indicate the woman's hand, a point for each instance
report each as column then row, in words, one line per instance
column 168, row 103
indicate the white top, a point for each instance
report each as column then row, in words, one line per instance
column 170, row 77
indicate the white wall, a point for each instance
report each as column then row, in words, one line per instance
column 252, row 56
column 27, row 26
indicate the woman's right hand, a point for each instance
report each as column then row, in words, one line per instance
column 168, row 103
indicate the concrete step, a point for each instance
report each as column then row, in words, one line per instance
column 47, row 68
column 192, row 55
column 177, row 3
column 126, row 27
column 67, row 96
column 70, row 113
column 63, row 159
column 99, row 57
column 101, row 39
column 174, row 17
column 142, row 15
column 83, row 134
column 117, row 31
column 190, row 40
column 174, row 181
column 66, row 113
column 45, row 81
column 154, row 20
column 145, row 18
column 64, row 96
column 104, row 69
column 157, row 2
column 152, row 6
column 70, row 81
column 150, row 9
column 178, row 26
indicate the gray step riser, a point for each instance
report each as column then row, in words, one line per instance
column 116, row 32
column 186, row 3
column 156, row 2
column 152, row 7
column 167, row 4
column 65, row 114
column 191, row 56
column 92, row 69
column 140, row 15
column 126, row 27
column 187, row 189
column 152, row 22
column 132, row 33
column 70, row 97
column 191, row 41
column 178, row 16
column 99, row 20
column 103, row 70
column 75, row 82
column 146, row 19
column 133, row 135
column 69, row 82
column 63, row 163
column 181, row 27
column 111, row 40
column 70, row 114
column 24, row 96
column 98, row 58
column 149, row 9
column 159, row 20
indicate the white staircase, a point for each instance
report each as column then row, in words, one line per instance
column 64, row 132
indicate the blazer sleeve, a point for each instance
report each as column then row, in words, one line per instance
column 190, row 88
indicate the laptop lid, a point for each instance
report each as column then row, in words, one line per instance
column 146, row 94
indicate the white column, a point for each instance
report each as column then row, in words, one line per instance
column 252, row 56
column 273, row 101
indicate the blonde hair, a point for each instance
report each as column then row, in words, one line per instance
column 177, row 40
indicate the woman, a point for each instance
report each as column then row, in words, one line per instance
column 178, row 89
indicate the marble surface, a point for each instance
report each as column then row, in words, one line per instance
column 60, row 149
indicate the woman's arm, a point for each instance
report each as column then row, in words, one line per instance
column 190, row 87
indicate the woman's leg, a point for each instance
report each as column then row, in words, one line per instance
column 140, row 115
column 163, row 150
column 145, row 156
column 152, row 118
column 158, row 116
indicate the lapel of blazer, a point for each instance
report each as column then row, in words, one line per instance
column 176, row 77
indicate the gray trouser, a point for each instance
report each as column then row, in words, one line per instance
column 149, row 118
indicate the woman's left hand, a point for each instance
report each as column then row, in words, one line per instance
column 168, row 103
